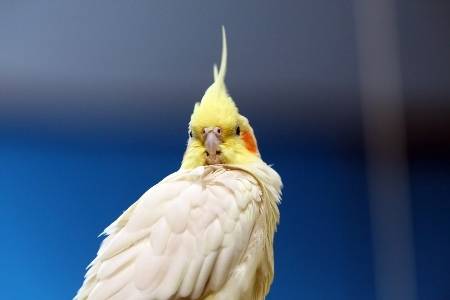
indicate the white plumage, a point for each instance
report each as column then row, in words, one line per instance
column 203, row 233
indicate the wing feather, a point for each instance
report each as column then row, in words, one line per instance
column 182, row 238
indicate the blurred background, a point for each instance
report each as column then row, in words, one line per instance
column 350, row 101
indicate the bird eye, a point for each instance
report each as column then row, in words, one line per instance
column 238, row 130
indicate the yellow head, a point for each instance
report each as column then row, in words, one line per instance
column 218, row 134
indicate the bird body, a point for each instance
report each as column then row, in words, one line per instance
column 204, row 232
column 198, row 233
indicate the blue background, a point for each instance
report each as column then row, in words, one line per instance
column 95, row 98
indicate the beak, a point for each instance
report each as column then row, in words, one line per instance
column 212, row 143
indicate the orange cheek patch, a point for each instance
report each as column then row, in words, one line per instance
column 250, row 142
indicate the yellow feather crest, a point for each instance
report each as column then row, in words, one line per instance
column 216, row 108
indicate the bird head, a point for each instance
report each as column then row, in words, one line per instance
column 218, row 134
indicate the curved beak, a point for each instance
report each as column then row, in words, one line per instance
column 212, row 142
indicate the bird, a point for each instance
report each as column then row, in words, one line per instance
column 205, row 231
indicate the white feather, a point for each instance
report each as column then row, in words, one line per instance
column 190, row 236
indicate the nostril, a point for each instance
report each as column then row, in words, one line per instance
column 207, row 153
column 218, row 152
column 218, row 130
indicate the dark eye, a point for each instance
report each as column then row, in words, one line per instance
column 238, row 130
column 190, row 133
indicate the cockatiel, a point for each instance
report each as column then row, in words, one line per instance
column 204, row 232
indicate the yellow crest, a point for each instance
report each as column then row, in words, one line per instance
column 216, row 106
